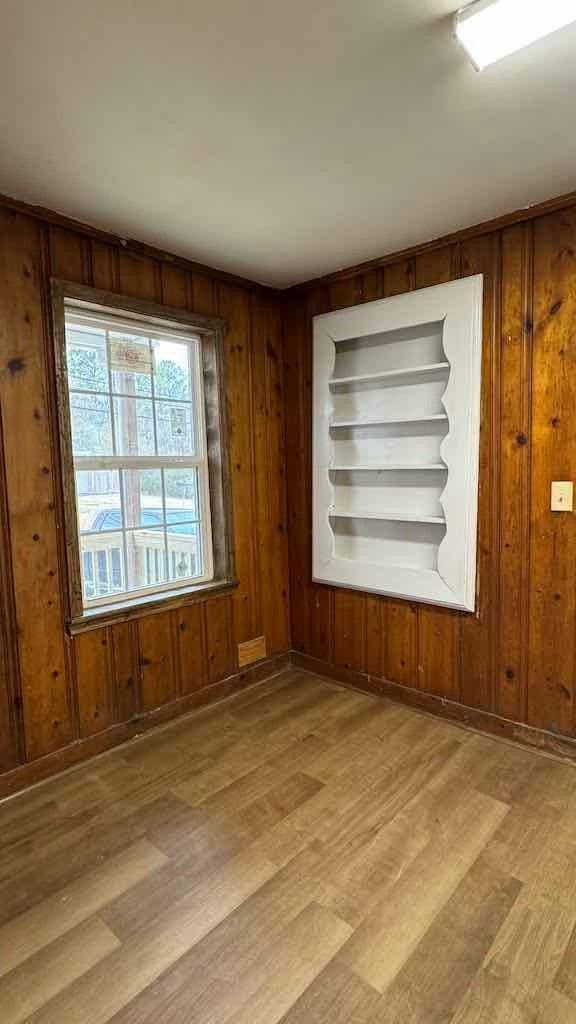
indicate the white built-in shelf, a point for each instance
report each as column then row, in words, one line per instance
column 396, row 425
column 387, row 469
column 439, row 417
column 408, row 371
column 392, row 517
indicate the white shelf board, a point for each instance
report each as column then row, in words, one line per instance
column 396, row 517
column 409, row 371
column 434, row 418
column 389, row 468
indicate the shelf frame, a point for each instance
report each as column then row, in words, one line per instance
column 426, row 370
column 449, row 382
column 389, row 517
column 402, row 467
column 438, row 417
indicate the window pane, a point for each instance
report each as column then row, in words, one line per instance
column 88, row 574
column 116, row 566
column 86, row 358
column 143, row 502
column 98, row 500
column 174, row 428
column 146, row 554
column 134, row 426
column 184, row 541
column 91, row 426
column 102, row 564
column 171, row 369
column 181, row 486
column 130, row 363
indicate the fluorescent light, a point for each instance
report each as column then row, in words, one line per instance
column 491, row 29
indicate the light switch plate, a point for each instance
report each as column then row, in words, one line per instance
column 562, row 496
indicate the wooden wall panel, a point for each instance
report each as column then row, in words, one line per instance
column 175, row 287
column 221, row 657
column 11, row 731
column 70, row 255
column 234, row 306
column 478, row 664
column 350, row 629
column 8, row 732
column 96, row 703
column 156, row 639
column 298, row 522
column 104, row 266
column 203, row 294
column 516, row 655
column 55, row 690
column 400, row 643
column 189, row 625
column 515, row 453
column 553, row 549
column 125, row 669
column 31, row 497
column 268, row 390
column 139, row 277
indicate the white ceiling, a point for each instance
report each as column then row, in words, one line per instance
column 278, row 140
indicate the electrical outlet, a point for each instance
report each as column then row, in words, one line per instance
column 562, row 496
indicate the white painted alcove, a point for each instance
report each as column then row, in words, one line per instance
column 396, row 434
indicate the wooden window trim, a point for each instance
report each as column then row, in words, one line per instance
column 212, row 331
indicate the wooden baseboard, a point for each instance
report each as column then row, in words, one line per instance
column 26, row 775
column 75, row 754
column 474, row 718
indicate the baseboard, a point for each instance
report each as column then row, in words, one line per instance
column 28, row 774
column 474, row 718
column 75, row 754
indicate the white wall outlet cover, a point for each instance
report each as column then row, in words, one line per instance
column 562, row 496
column 396, row 406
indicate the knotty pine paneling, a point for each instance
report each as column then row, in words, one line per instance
column 269, row 445
column 516, row 655
column 191, row 647
column 515, row 455
column 54, row 689
column 553, row 547
column 234, row 306
column 48, row 712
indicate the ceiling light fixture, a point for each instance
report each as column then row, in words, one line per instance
column 491, row 29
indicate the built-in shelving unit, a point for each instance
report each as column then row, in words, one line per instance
column 396, row 405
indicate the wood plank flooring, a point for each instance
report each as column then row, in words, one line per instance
column 300, row 854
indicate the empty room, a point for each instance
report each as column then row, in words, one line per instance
column 287, row 521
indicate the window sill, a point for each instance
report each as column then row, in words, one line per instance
column 109, row 615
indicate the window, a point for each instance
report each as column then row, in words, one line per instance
column 140, row 395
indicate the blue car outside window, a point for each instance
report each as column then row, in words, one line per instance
column 112, row 520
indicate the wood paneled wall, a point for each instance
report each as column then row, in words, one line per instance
column 56, row 691
column 63, row 697
column 516, row 656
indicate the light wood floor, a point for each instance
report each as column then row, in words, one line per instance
column 302, row 854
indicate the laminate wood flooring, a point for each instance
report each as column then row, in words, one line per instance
column 300, row 854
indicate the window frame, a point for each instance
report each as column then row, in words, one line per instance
column 211, row 379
